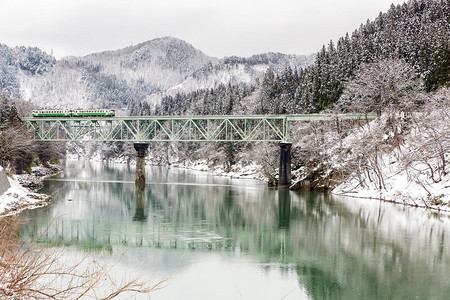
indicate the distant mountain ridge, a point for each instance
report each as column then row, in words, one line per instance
column 153, row 61
column 115, row 78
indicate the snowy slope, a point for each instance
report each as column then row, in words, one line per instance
column 116, row 78
column 163, row 62
column 415, row 172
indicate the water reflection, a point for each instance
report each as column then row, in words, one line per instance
column 284, row 208
column 139, row 214
column 333, row 247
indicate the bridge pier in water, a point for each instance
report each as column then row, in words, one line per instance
column 141, row 151
column 284, row 173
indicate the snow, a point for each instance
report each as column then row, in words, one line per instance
column 238, row 73
column 149, row 70
column 407, row 169
column 18, row 198
column 241, row 171
column 400, row 189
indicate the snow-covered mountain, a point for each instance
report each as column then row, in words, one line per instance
column 238, row 69
column 163, row 62
column 147, row 71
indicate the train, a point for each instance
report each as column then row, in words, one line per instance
column 73, row 113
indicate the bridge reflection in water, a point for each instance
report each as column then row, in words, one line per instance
column 337, row 248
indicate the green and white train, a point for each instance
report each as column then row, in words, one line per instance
column 73, row 113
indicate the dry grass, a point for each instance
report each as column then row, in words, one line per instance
column 28, row 271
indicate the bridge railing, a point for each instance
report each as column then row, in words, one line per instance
column 257, row 128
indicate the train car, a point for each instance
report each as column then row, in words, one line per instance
column 73, row 113
column 50, row 113
column 94, row 113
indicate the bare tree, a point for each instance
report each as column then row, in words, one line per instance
column 31, row 272
column 15, row 144
column 265, row 155
column 389, row 85
column 428, row 154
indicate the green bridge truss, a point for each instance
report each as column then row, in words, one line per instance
column 257, row 128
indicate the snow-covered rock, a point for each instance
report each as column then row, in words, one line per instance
column 18, row 198
column 34, row 181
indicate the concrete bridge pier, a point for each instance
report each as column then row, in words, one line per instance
column 141, row 149
column 284, row 174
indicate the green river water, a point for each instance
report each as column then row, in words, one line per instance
column 220, row 238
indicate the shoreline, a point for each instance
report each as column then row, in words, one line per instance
column 252, row 171
column 425, row 207
column 23, row 191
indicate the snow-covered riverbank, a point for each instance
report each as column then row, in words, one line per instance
column 21, row 195
column 398, row 187
column 411, row 169
column 247, row 171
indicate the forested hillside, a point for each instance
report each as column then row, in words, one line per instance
column 417, row 32
column 28, row 60
column 128, row 76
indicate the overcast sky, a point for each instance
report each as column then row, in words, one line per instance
column 216, row 27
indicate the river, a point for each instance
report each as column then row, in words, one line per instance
column 221, row 238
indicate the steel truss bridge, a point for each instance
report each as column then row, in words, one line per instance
column 256, row 128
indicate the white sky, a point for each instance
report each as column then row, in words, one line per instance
column 216, row 27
